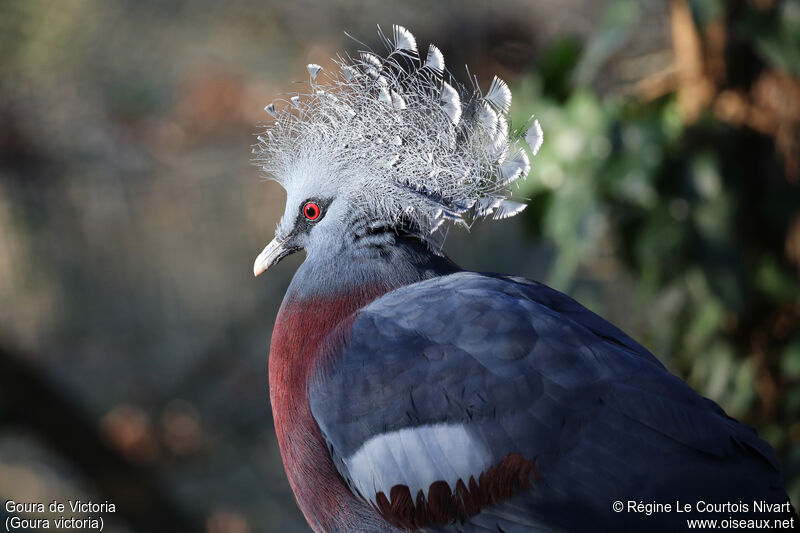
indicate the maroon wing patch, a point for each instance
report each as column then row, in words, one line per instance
column 444, row 505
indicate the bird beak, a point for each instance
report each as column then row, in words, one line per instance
column 274, row 252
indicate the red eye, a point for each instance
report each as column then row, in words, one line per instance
column 311, row 211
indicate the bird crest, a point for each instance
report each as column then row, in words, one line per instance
column 401, row 139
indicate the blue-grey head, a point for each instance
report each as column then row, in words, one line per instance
column 390, row 141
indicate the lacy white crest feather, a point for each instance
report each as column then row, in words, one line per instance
column 399, row 141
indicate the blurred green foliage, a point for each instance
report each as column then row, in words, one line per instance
column 696, row 211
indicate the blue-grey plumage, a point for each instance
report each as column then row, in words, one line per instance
column 514, row 367
column 409, row 394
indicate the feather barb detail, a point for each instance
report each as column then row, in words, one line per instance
column 401, row 139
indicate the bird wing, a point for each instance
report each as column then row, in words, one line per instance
column 474, row 402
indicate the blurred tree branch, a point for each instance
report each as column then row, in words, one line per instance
column 29, row 400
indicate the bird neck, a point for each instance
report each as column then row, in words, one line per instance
column 325, row 294
column 371, row 258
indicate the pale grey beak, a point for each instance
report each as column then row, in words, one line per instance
column 274, row 252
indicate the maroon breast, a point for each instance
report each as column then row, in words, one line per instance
column 300, row 329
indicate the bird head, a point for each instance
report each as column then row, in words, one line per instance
column 390, row 141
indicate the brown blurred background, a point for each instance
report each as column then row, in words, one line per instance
column 133, row 337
